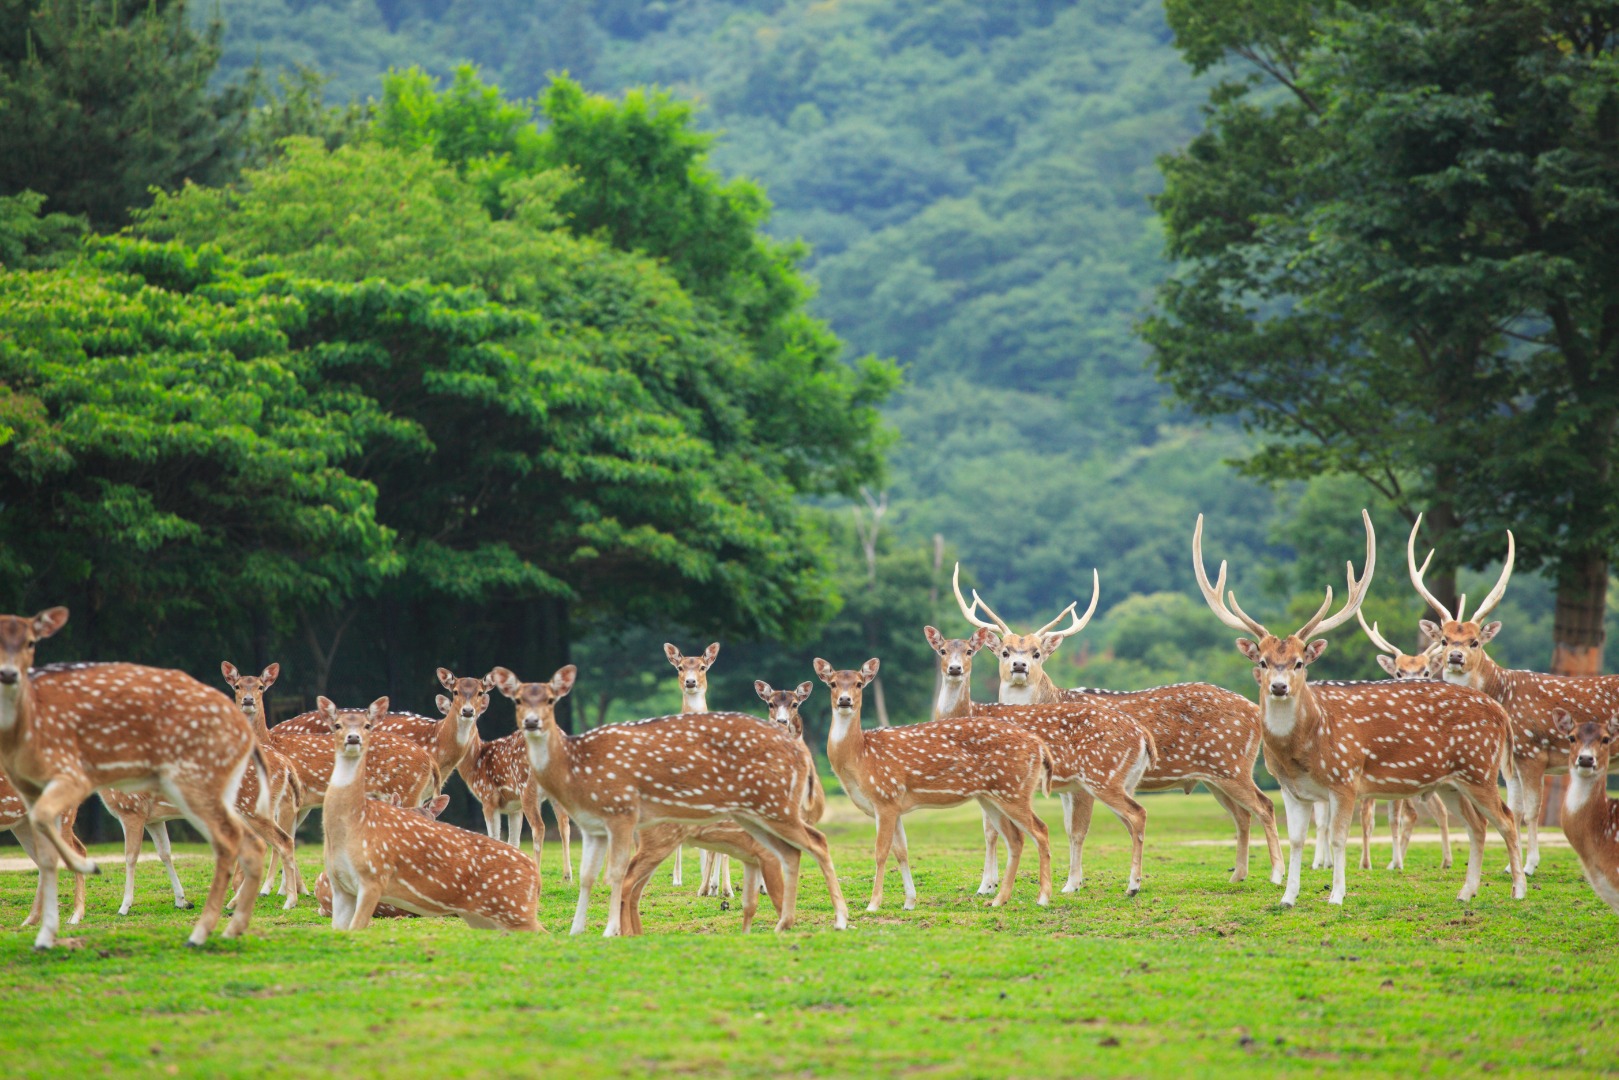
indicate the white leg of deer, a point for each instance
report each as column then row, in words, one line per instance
column 343, row 904
column 1076, row 820
column 1475, row 843
column 514, row 828
column 992, row 873
column 680, row 857
column 1323, row 846
column 1442, row 815
column 165, row 853
column 1533, row 800
column 491, row 823
column 750, row 895
column 1299, row 812
column 590, row 864
column 1514, row 784
column 1368, row 819
column 132, row 854
column 903, row 854
column 25, row 838
column 1396, row 824
column 49, row 915
column 1340, row 816
column 725, row 876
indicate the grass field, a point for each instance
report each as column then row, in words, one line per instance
column 1192, row 977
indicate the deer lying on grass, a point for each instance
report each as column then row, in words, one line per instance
column 132, row 727
column 891, row 771
column 14, row 817
column 1200, row 733
column 323, row 885
column 691, row 673
column 378, row 852
column 759, row 865
column 1339, row 742
column 1530, row 698
column 695, row 770
column 1096, row 752
column 1590, row 818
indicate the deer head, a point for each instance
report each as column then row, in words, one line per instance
column 1401, row 666
column 846, row 687
column 1280, row 662
column 1458, row 641
column 468, row 698
column 956, row 654
column 1588, row 743
column 1022, row 657
column 536, row 702
column 783, row 704
column 19, row 635
column 250, row 689
column 351, row 726
column 693, row 669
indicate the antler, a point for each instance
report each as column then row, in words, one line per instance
column 1377, row 639
column 1417, row 572
column 1500, row 589
column 967, row 612
column 1233, row 616
column 1079, row 622
column 1357, row 589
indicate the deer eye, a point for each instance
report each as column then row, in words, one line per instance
column 1297, row 664
column 1473, row 644
column 1006, row 652
column 368, row 725
column 1037, row 654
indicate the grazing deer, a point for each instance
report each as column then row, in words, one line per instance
column 1339, row 742
column 133, row 727
column 14, row 818
column 692, row 769
column 1096, row 753
column 1402, row 812
column 1590, row 819
column 759, row 866
column 498, row 775
column 323, row 885
column 379, row 852
column 1530, row 698
column 1200, row 733
column 891, row 771
column 692, row 675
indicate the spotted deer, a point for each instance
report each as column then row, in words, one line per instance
column 285, row 796
column 379, row 852
column 1200, row 733
column 498, row 775
column 759, row 866
column 1402, row 814
column 1096, row 753
column 132, row 727
column 323, row 884
column 1339, row 742
column 14, row 818
column 1529, row 697
column 1590, row 818
column 694, row 769
column 691, row 673
column 395, row 766
column 888, row 772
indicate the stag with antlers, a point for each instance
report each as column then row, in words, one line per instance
column 1339, row 742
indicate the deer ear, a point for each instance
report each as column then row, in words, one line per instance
column 1050, row 643
column 1613, row 727
column 711, row 653
column 443, row 703
column 562, row 681
column 1563, row 721
column 1250, row 650
column 824, row 671
column 1488, row 632
column 269, row 675
column 1313, row 651
column 228, row 669
column 377, row 709
column 1387, row 664
column 761, row 688
column 868, row 670
column 487, row 682
column 1431, row 630
column 436, row 806
column 803, row 691
column 981, row 637
column 935, row 638
column 446, row 678
column 49, row 622
column 325, row 704
column 992, row 639
column 504, row 680
column 672, row 653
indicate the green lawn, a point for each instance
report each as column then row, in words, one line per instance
column 1193, row 977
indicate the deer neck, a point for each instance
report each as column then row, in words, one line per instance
column 845, row 742
column 16, row 708
column 1585, row 807
column 954, row 698
column 1039, row 690
column 548, row 757
column 255, row 720
column 345, row 794
column 694, row 702
column 1488, row 677
column 1288, row 718
column 453, row 746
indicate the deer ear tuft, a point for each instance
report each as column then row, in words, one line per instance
column 1249, row 650
column 1487, row 632
column 325, row 704
column 377, row 709
column 935, row 638
column 981, row 637
column 1431, row 630
column 868, row 670
column 1313, row 651
column 436, row 805
column 1563, row 721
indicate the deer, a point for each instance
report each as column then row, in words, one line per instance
column 133, row 727
column 323, row 884
column 1402, row 812
column 1590, row 818
column 14, row 819
column 1529, row 697
column 1096, row 753
column 498, row 775
column 891, row 771
column 1200, row 733
column 379, row 852
column 692, row 675
column 694, row 769
column 1339, row 742
column 759, row 866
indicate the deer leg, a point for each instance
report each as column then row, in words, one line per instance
column 620, row 850
column 58, row 798
column 291, row 879
column 528, row 804
column 590, row 864
column 1299, row 812
column 1532, row 793
column 724, row 874
column 902, row 854
column 492, row 820
column 1441, row 817
column 1076, row 819
column 1482, row 803
column 343, row 905
column 565, row 834
column 750, row 894
column 788, row 858
column 1368, row 818
column 233, row 845
column 887, row 821
column 1340, row 815
column 159, row 832
column 1475, row 843
column 365, row 904
column 1134, row 817
column 25, row 838
column 132, row 854
column 1242, row 791
column 1028, row 824
column 680, row 857
column 993, row 828
column 1243, row 820
column 650, row 852
column 705, row 872
column 45, row 893
column 514, row 828
column 801, row 838
column 1396, row 828
column 1323, row 852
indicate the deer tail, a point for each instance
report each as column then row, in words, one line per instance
column 261, row 806
column 1047, row 765
column 1150, row 745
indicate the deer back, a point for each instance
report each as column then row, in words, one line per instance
column 1197, row 729
column 1397, row 737
column 1530, row 698
column 394, row 767
column 956, row 758
column 1090, row 742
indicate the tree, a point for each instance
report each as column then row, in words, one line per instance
column 1374, row 263
column 101, row 101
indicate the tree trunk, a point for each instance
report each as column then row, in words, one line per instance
column 1577, row 638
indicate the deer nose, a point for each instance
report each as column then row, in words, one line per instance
column 1019, row 666
column 352, row 740
column 466, row 710
column 8, row 675
column 531, row 723
column 1456, row 657
column 953, row 669
column 845, row 701
column 1278, row 689
column 1586, row 761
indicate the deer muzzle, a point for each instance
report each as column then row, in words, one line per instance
column 1585, row 761
column 1278, row 689
column 8, row 675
